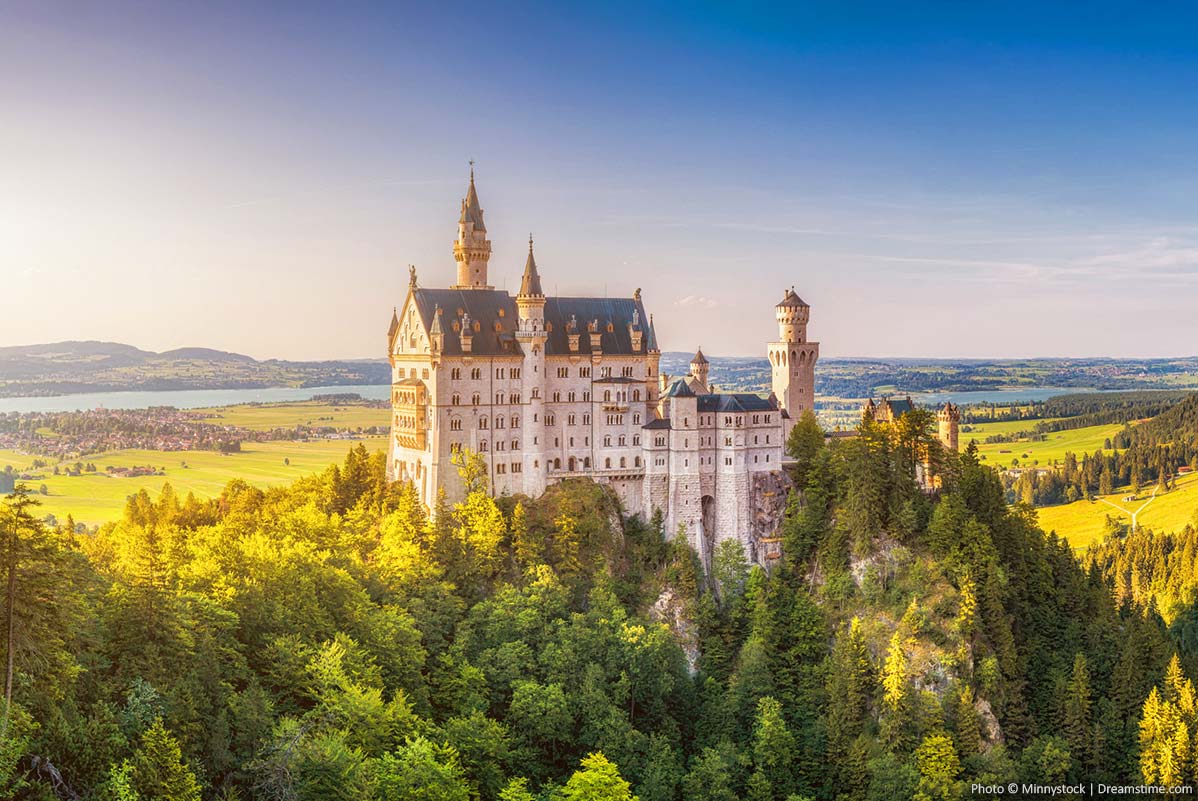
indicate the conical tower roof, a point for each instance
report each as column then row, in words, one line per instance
column 472, row 210
column 530, row 284
column 791, row 300
column 699, row 358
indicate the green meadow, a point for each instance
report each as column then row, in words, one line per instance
column 94, row 498
column 1052, row 449
column 1084, row 522
column 269, row 416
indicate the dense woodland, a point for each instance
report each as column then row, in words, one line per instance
column 328, row 641
column 1151, row 452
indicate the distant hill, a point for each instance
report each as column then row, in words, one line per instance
column 61, row 368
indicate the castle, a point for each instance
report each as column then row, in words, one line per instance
column 549, row 388
column 948, row 424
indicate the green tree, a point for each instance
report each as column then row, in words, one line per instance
column 159, row 772
column 421, row 771
column 939, row 767
column 597, row 780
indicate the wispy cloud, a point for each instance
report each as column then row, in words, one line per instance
column 697, row 301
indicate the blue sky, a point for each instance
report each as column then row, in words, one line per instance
column 935, row 179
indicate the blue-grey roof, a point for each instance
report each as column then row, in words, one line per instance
column 680, row 389
column 736, row 402
column 496, row 334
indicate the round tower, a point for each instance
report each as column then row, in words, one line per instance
column 948, row 421
column 701, row 368
column 792, row 359
column 472, row 250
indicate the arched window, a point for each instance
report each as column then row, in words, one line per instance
column 571, row 464
column 607, row 463
column 586, row 463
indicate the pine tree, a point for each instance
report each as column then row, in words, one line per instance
column 159, row 772
column 1076, row 718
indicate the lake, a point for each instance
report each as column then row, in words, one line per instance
column 203, row 398
column 184, row 398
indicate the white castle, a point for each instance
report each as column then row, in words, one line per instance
column 551, row 388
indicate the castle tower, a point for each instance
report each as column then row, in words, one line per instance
column 792, row 359
column 531, row 334
column 701, row 369
column 472, row 250
column 948, row 420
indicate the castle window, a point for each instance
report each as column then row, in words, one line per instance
column 728, row 420
column 728, row 460
column 659, row 442
column 424, row 374
column 767, row 439
column 515, row 421
column 628, row 372
column 607, row 442
column 636, row 394
column 515, row 444
column 623, row 462
column 570, row 419
column 636, row 439
column 623, row 440
column 607, row 396
column 584, row 372
column 605, row 372
column 455, row 373
column 754, row 439
column 571, row 464
column 501, row 469
column 474, row 399
column 586, row 395
column 549, row 419
column 499, row 372
column 586, row 462
column 514, row 398
column 517, row 467
column 767, row 457
column 536, row 392
column 636, row 419
column 570, row 397
column 482, row 446
column 728, row 441
column 477, row 326
column 586, row 419
column 499, row 422
column 500, row 445
column 571, row 442
column 499, row 397
column 557, row 464
column 399, row 373
column 607, row 463
column 515, row 372
column 563, row 372
column 455, row 399
column 557, row 397
column 455, row 424
column 476, row 373
column 501, row 312
column 557, row 442
column 636, row 461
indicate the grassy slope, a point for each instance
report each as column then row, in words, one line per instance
column 268, row 416
column 1083, row 522
column 1077, row 440
column 96, row 498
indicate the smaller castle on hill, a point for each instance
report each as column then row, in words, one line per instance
column 948, row 425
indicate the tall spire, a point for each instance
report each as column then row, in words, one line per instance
column 530, row 284
column 472, row 250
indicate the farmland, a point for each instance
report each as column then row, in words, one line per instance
column 1084, row 522
column 1041, row 452
column 94, row 498
column 269, row 416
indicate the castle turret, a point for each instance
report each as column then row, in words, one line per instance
column 792, row 359
column 531, row 334
column 701, row 369
column 948, row 421
column 472, row 250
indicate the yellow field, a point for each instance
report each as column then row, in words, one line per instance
column 98, row 497
column 1053, row 449
column 1083, row 522
column 268, row 416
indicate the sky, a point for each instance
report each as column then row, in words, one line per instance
column 935, row 179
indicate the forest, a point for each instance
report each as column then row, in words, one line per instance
column 329, row 640
column 1151, row 452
